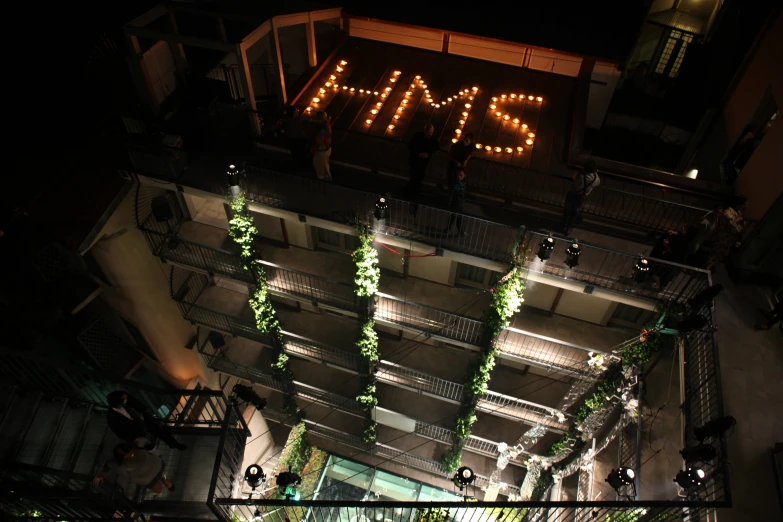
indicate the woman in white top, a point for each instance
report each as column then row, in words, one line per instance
column 131, row 465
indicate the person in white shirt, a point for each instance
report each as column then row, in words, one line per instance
column 584, row 183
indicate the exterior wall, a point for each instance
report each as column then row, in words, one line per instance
column 602, row 84
column 389, row 260
column 585, row 307
column 539, row 295
column 140, row 292
column 210, row 212
column 269, row 226
column 299, row 234
column 435, row 269
column 760, row 180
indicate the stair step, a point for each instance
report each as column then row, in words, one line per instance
column 69, row 438
column 14, row 425
column 93, row 446
column 42, row 432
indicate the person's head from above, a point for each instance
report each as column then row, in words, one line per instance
column 590, row 167
column 461, row 174
column 117, row 399
column 292, row 111
column 124, row 451
column 739, row 203
column 320, row 117
column 429, row 130
column 468, row 139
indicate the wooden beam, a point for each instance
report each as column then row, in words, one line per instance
column 279, row 60
column 178, row 38
column 247, row 87
column 291, row 19
column 312, row 54
column 141, row 75
column 149, row 17
column 326, row 14
column 256, row 34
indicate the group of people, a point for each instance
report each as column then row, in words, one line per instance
column 308, row 146
column 132, row 461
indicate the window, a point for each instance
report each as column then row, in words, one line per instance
column 476, row 276
column 331, row 240
column 673, row 54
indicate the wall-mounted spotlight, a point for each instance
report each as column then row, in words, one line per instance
column 714, row 428
column 254, row 476
column 620, row 477
column 545, row 248
column 464, row 477
column 572, row 255
column 232, row 175
column 698, row 453
column 380, row 209
column 641, row 269
column 690, row 478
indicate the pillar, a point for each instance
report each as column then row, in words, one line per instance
column 279, row 60
column 312, row 57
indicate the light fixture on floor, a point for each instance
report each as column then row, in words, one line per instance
column 641, row 269
column 714, row 428
column 257, row 515
column 380, row 209
column 254, row 476
column 621, row 477
column 545, row 248
column 690, row 478
column 232, row 175
column 698, row 453
column 464, row 477
column 572, row 255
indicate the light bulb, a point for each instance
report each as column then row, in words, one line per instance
column 498, row 149
column 428, row 96
column 423, row 85
column 418, row 77
column 335, row 86
column 516, row 121
column 509, row 150
column 400, row 109
column 408, row 93
column 506, row 117
column 458, row 131
column 539, row 99
column 391, row 126
column 478, row 145
column 488, row 148
column 368, row 122
column 512, row 95
column 468, row 106
column 462, row 122
column 345, row 87
column 361, row 90
column 498, row 114
column 470, row 98
column 524, row 126
column 520, row 149
column 322, row 90
column 316, row 100
column 339, row 69
column 383, row 95
column 494, row 98
column 437, row 105
column 308, row 109
column 421, row 82
column 375, row 93
column 427, row 91
column 530, row 97
column 449, row 98
column 374, row 111
column 461, row 93
column 465, row 114
column 529, row 141
column 531, row 135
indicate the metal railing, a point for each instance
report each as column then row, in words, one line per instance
column 544, row 351
column 525, row 411
column 227, row 470
column 314, row 288
column 614, row 270
column 405, row 377
column 431, row 320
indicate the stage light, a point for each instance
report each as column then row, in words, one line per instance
column 641, row 269
column 529, row 142
column 690, row 478
column 254, row 476
column 233, row 176
column 620, row 477
column 316, row 100
column 698, row 453
column 464, row 477
column 572, row 255
column 391, row 126
column 509, row 150
column 539, row 99
column 380, row 209
column 520, row 149
column 498, row 149
column 714, row 428
column 546, row 247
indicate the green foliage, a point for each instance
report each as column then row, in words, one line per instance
column 266, row 318
column 368, row 397
column 643, row 349
column 506, row 301
column 479, row 373
column 368, row 341
column 464, row 423
column 560, row 447
column 297, row 449
column 545, row 480
column 281, row 368
column 370, row 433
column 291, row 408
column 432, row 515
column 637, row 514
column 365, row 260
column 597, row 401
column 241, row 228
column 452, row 459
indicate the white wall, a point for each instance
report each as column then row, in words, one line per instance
column 585, row 307
column 488, row 50
column 268, row 226
column 210, row 212
column 539, row 295
column 554, row 62
column 433, row 268
column 299, row 234
column 389, row 260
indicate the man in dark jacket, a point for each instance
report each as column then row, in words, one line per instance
column 130, row 420
column 420, row 150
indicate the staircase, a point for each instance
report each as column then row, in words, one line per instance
column 52, row 447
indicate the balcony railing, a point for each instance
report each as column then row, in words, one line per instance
column 307, row 286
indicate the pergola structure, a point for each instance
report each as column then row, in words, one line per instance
column 176, row 40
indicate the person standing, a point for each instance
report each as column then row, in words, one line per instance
column 457, row 202
column 420, row 150
column 459, row 155
column 322, row 146
column 584, row 183
column 291, row 125
column 727, row 227
column 130, row 465
column 130, row 421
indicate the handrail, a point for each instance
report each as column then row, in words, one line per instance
column 550, row 339
column 320, row 278
column 418, row 305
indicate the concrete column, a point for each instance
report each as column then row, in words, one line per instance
column 312, row 57
column 279, row 61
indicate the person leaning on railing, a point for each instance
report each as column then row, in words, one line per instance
column 131, row 465
column 584, row 183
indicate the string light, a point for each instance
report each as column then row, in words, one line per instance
column 345, row 87
column 408, row 93
column 453, row 140
column 494, row 98
column 397, row 73
column 449, row 98
column 539, row 99
column 516, row 121
column 405, row 101
column 308, row 109
column 427, row 91
column 470, row 98
column 361, row 90
column 529, row 141
column 374, row 111
column 520, row 149
column 524, row 126
column 509, row 150
column 396, row 116
column 368, row 122
column 418, row 77
column 506, row 117
column 383, row 95
column 498, row 149
column 375, row 93
column 316, row 100
column 387, row 89
column 423, row 85
column 343, row 62
column 474, row 89
column 400, row 109
column 478, row 145
column 531, row 135
column 339, row 69
column 503, row 96
column 328, row 84
column 322, row 90
column 333, row 77
column 512, row 95
column 335, row 86
column 392, row 80
column 468, row 106
column 437, row 105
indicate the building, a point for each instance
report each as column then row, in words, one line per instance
column 176, row 274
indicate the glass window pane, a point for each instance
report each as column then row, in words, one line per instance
column 471, row 273
column 329, row 237
column 388, row 487
column 351, row 242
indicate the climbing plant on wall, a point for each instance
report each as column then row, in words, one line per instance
column 506, row 301
column 243, row 233
column 366, row 279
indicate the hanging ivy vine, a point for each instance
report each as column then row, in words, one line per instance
column 243, row 232
column 366, row 279
column 506, row 301
column 297, row 450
